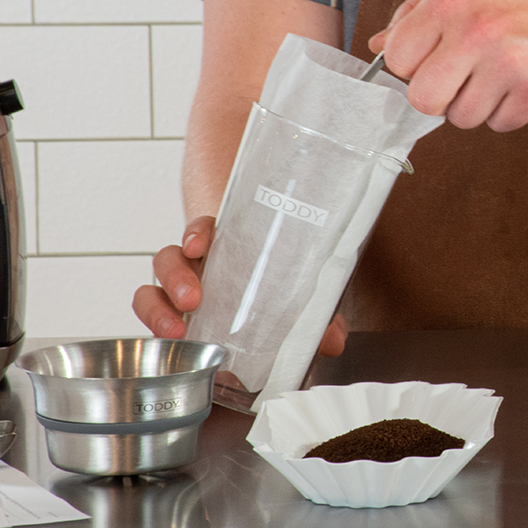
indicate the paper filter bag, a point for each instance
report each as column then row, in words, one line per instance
column 270, row 308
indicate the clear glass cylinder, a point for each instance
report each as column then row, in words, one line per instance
column 297, row 211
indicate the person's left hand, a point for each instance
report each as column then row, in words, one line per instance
column 178, row 269
column 466, row 59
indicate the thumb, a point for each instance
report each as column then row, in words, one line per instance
column 198, row 237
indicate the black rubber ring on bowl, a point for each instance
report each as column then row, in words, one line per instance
column 122, row 428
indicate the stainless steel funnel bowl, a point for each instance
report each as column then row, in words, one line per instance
column 123, row 406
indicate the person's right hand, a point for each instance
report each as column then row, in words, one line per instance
column 178, row 270
column 466, row 59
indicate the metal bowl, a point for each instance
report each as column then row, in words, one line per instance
column 123, row 406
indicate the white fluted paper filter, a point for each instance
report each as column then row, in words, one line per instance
column 286, row 428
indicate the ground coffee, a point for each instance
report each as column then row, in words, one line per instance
column 387, row 441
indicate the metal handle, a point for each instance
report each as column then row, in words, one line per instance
column 373, row 68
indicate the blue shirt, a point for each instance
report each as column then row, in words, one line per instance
column 350, row 10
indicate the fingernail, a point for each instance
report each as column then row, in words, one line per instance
column 188, row 240
column 165, row 327
column 182, row 291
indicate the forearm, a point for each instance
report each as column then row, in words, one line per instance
column 241, row 38
column 213, row 136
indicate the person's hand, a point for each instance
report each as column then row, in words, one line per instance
column 333, row 342
column 466, row 59
column 178, row 270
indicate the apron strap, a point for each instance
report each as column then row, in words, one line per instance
column 373, row 16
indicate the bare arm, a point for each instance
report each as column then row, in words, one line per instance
column 241, row 38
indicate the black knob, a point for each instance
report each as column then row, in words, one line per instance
column 10, row 98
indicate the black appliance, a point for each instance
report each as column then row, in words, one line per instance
column 12, row 233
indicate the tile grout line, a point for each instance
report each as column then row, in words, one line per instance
column 151, row 80
column 95, row 24
column 100, row 140
column 37, row 197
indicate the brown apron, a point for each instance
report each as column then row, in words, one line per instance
column 451, row 246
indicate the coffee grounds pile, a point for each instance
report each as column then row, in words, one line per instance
column 386, row 441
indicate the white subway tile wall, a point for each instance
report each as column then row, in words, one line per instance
column 90, row 295
column 107, row 87
column 15, row 12
column 172, row 62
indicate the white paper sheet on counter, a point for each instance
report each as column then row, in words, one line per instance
column 23, row 502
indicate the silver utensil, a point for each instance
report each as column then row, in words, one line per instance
column 123, row 406
column 373, row 68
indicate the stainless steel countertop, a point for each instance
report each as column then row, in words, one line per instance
column 228, row 486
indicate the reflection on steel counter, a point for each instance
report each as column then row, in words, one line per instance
column 230, row 486
column 139, row 501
